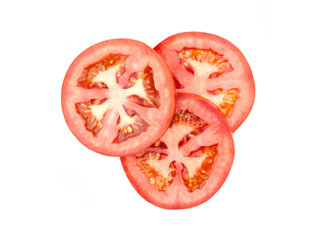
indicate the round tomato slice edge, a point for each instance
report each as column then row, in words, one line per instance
column 238, row 81
column 177, row 196
column 158, row 117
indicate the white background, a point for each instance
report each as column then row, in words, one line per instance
column 52, row 187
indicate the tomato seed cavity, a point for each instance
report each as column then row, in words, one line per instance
column 92, row 123
column 154, row 177
column 135, row 128
column 139, row 89
column 202, row 61
column 201, row 175
column 161, row 169
column 224, row 99
column 89, row 79
column 143, row 82
column 188, row 118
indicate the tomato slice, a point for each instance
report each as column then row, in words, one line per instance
column 190, row 162
column 118, row 97
column 212, row 67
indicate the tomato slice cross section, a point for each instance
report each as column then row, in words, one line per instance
column 212, row 67
column 190, row 162
column 118, row 97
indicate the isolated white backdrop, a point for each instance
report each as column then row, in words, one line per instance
column 52, row 187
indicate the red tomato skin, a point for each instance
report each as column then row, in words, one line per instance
column 185, row 199
column 86, row 58
column 204, row 40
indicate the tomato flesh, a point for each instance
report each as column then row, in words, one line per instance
column 118, row 97
column 212, row 67
column 190, row 162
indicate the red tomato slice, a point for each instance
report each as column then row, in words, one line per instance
column 118, row 97
column 188, row 165
column 212, row 67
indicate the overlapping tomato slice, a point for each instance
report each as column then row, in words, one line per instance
column 118, row 97
column 190, row 162
column 212, row 67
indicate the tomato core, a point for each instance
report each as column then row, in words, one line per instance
column 185, row 126
column 139, row 89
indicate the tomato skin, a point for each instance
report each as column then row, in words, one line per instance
column 141, row 56
column 241, row 78
column 176, row 196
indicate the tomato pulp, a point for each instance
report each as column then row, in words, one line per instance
column 212, row 67
column 190, row 162
column 118, row 97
